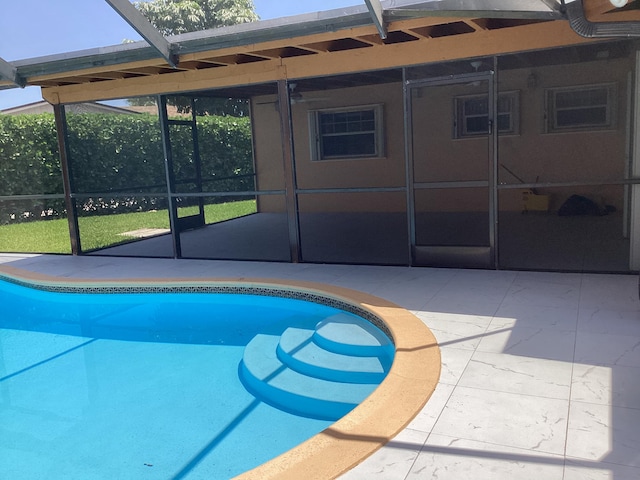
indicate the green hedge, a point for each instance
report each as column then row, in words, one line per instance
column 112, row 155
column 29, row 161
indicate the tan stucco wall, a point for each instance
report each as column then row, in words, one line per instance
column 532, row 154
column 437, row 156
column 268, row 153
column 387, row 171
column 587, row 156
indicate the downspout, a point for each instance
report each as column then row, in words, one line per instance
column 583, row 27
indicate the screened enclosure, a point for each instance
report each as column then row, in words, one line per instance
column 170, row 185
column 520, row 161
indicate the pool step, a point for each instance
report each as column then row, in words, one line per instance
column 363, row 340
column 296, row 374
column 298, row 351
column 273, row 382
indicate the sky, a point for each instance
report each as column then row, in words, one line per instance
column 35, row 28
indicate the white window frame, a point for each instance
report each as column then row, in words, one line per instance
column 552, row 125
column 316, row 136
column 460, row 125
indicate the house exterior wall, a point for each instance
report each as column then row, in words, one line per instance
column 597, row 155
column 268, row 161
column 532, row 154
column 384, row 172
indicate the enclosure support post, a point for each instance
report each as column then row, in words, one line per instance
column 493, row 166
column 634, row 214
column 70, row 204
column 408, row 164
column 168, row 169
column 196, row 156
column 289, row 170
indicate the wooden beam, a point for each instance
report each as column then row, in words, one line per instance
column 97, row 70
column 205, row 79
column 479, row 43
column 319, row 38
column 207, row 55
column 604, row 11
column 618, row 16
column 478, row 23
column 595, row 8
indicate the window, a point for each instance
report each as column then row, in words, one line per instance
column 580, row 108
column 346, row 133
column 472, row 115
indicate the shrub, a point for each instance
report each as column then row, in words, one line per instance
column 116, row 162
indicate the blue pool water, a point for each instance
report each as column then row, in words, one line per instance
column 148, row 385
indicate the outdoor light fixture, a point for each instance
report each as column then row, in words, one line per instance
column 618, row 3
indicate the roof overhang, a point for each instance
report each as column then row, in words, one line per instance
column 10, row 73
column 330, row 42
column 474, row 8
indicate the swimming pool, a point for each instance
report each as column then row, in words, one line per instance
column 143, row 382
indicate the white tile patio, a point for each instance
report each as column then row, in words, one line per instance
column 540, row 375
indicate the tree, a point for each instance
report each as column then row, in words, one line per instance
column 173, row 17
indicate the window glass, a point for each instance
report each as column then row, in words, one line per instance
column 472, row 114
column 578, row 108
column 347, row 133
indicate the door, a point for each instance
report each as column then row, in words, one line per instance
column 452, row 171
column 185, row 165
column 183, row 170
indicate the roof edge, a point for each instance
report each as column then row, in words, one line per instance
column 283, row 28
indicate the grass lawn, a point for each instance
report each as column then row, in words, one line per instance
column 52, row 236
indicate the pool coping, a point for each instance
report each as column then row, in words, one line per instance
column 380, row 417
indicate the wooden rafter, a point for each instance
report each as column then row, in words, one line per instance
column 421, row 49
column 375, row 9
column 408, row 41
column 362, row 38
